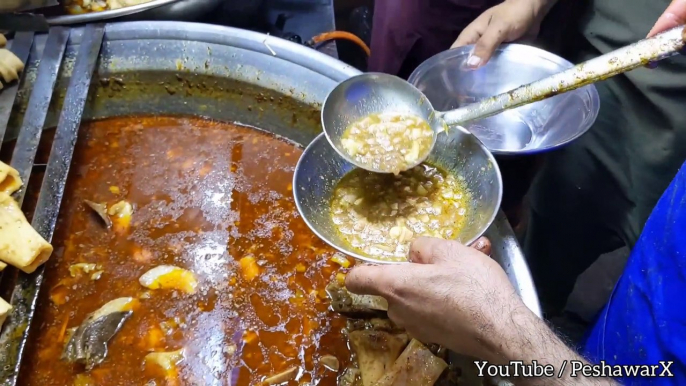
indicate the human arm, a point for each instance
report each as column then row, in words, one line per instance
column 505, row 22
column 460, row 298
column 525, row 337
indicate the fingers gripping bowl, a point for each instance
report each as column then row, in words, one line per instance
column 457, row 155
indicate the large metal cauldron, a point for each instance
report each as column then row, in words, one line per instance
column 225, row 74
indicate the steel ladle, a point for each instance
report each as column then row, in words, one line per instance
column 371, row 93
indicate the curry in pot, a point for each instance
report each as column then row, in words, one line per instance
column 180, row 259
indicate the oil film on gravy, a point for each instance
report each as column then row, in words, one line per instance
column 189, row 265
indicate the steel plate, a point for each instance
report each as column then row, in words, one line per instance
column 182, row 10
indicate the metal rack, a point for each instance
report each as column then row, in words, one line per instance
column 25, row 292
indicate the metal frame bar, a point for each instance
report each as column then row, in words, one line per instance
column 37, row 110
column 39, row 103
column 25, row 293
column 21, row 47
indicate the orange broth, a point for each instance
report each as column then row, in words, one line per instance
column 205, row 195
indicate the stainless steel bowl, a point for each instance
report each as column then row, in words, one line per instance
column 320, row 168
column 537, row 127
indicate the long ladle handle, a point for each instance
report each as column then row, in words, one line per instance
column 616, row 62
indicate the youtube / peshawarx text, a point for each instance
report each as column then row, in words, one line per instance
column 573, row 368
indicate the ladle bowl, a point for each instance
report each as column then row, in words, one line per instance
column 372, row 93
column 320, row 168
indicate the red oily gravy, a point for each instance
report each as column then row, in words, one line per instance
column 205, row 194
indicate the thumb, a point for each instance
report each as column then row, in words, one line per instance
column 486, row 45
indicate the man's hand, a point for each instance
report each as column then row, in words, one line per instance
column 673, row 16
column 450, row 294
column 458, row 297
column 506, row 22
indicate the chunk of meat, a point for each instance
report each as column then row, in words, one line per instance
column 121, row 214
column 376, row 352
column 5, row 309
column 10, row 181
column 416, row 366
column 88, row 344
column 379, row 324
column 348, row 303
column 438, row 350
column 10, row 66
column 166, row 362
column 169, row 277
column 78, row 269
column 101, row 211
column 350, row 377
column 330, row 362
column 341, row 260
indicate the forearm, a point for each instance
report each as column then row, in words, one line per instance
column 527, row 338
